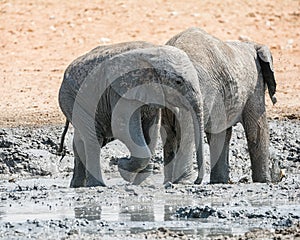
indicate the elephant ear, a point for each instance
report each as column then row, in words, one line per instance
column 147, row 93
column 140, row 74
column 266, row 64
column 132, row 76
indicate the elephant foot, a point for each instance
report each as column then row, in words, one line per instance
column 219, row 176
column 185, row 178
column 78, row 180
column 261, row 179
column 214, row 180
column 198, row 180
column 219, row 182
column 130, row 169
column 144, row 174
column 91, row 181
column 76, row 184
column 263, row 176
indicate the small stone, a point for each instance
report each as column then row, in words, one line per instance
column 268, row 23
column 174, row 13
column 72, row 232
column 244, row 38
column 290, row 41
column 104, row 40
column 251, row 14
column 169, row 185
column 53, row 28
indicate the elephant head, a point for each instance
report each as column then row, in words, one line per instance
column 162, row 77
column 104, row 94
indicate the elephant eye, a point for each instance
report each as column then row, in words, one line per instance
column 179, row 81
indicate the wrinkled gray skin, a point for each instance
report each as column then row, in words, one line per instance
column 90, row 98
column 75, row 75
column 233, row 77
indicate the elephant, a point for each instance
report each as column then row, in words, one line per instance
column 233, row 76
column 75, row 75
column 117, row 92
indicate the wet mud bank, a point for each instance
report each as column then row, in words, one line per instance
column 36, row 201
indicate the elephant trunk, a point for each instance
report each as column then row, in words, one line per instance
column 198, row 121
column 127, row 127
column 190, row 120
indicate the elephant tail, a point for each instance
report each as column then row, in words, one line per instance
column 61, row 151
column 266, row 64
column 269, row 79
column 271, row 83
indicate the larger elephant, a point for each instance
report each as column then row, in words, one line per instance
column 116, row 92
column 233, row 76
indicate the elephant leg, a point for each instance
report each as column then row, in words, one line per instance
column 127, row 127
column 93, row 169
column 170, row 141
column 178, row 147
column 151, row 120
column 150, row 125
column 219, row 152
column 257, row 134
column 79, row 177
column 83, row 121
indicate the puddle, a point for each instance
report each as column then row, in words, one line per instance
column 135, row 210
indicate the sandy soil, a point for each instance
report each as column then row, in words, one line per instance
column 38, row 39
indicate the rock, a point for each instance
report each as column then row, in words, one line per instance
column 174, row 13
column 251, row 14
column 244, row 38
column 104, row 40
column 284, row 223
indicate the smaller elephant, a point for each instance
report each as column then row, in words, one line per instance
column 117, row 92
column 77, row 73
column 233, row 77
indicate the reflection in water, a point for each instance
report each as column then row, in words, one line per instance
column 89, row 213
column 137, row 213
column 151, row 211
column 140, row 213
column 155, row 210
column 1, row 214
column 169, row 211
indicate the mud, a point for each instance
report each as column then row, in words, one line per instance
column 37, row 203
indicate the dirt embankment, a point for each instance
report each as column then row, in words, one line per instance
column 38, row 39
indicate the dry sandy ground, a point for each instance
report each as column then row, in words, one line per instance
column 38, row 39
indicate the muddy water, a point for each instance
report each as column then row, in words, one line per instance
column 41, row 205
column 37, row 202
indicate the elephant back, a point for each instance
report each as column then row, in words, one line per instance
column 78, row 71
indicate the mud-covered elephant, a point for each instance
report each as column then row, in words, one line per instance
column 233, row 76
column 116, row 92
